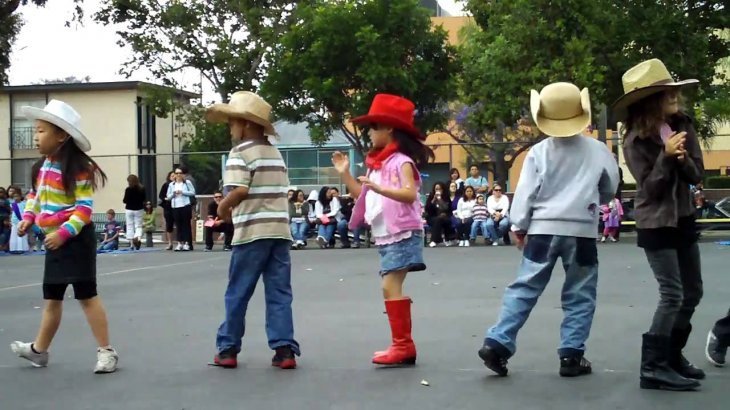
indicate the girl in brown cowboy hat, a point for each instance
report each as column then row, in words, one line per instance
column 388, row 201
column 664, row 156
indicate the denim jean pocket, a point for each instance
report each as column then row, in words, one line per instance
column 537, row 248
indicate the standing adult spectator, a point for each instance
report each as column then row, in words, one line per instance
column 214, row 224
column 167, row 209
column 179, row 194
column 498, row 207
column 195, row 212
column 134, row 197
column 480, row 184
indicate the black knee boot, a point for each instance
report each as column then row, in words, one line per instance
column 677, row 360
column 655, row 370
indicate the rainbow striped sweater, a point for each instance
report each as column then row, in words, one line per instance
column 52, row 209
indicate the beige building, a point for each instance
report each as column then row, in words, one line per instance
column 124, row 133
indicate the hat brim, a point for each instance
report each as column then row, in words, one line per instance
column 34, row 113
column 391, row 122
column 621, row 105
column 221, row 113
column 561, row 128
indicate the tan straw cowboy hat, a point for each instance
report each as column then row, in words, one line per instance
column 64, row 117
column 642, row 80
column 561, row 109
column 245, row 105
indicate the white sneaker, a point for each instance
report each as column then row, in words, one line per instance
column 495, row 243
column 186, row 247
column 106, row 361
column 432, row 245
column 24, row 350
column 461, row 243
column 179, row 247
column 612, row 239
column 603, row 239
column 467, row 243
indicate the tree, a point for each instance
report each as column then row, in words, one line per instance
column 525, row 44
column 338, row 55
column 228, row 42
column 67, row 80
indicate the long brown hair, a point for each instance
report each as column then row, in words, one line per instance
column 133, row 181
column 646, row 116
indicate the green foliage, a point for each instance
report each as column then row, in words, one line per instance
column 228, row 42
column 339, row 54
column 717, row 182
column 206, row 168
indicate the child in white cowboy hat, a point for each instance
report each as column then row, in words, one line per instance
column 387, row 200
column 664, row 156
column 555, row 215
column 61, row 206
column 256, row 185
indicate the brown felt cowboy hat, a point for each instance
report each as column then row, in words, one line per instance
column 392, row 111
column 561, row 109
column 642, row 80
column 245, row 105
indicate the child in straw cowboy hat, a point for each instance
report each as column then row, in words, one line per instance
column 387, row 200
column 61, row 206
column 555, row 215
column 664, row 156
column 256, row 183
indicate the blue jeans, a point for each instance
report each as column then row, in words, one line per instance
column 343, row 229
column 327, row 231
column 478, row 226
column 580, row 261
column 109, row 246
column 299, row 231
column 497, row 230
column 268, row 258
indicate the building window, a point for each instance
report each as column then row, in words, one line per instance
column 21, row 129
column 147, row 172
column 20, row 173
column 146, row 128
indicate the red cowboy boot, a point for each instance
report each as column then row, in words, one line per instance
column 402, row 350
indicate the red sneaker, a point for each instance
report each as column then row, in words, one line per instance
column 284, row 358
column 226, row 360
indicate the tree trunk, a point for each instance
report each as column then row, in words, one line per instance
column 500, row 164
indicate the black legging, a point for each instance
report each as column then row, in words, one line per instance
column 440, row 225
column 182, row 218
column 463, row 229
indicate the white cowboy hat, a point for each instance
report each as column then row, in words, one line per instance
column 642, row 80
column 245, row 105
column 561, row 109
column 63, row 116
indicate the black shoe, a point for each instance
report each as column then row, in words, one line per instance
column 493, row 360
column 715, row 351
column 345, row 246
column 284, row 358
column 207, row 249
column 574, row 366
column 677, row 361
column 227, row 248
column 655, row 370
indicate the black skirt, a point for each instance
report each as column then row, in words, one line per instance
column 75, row 261
column 684, row 235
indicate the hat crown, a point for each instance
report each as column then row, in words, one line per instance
column 246, row 101
column 560, row 101
column 63, row 111
column 645, row 74
column 393, row 106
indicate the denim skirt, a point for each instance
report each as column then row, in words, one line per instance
column 403, row 255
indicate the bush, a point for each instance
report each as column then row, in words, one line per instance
column 717, row 182
column 629, row 186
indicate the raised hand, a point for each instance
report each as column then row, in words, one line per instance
column 341, row 162
column 674, row 146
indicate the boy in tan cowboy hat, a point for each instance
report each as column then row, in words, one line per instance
column 256, row 182
column 555, row 207
column 664, row 156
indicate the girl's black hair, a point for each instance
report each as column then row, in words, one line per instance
column 416, row 150
column 323, row 196
column 296, row 195
column 74, row 163
column 151, row 209
column 473, row 191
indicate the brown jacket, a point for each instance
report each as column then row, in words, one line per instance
column 662, row 182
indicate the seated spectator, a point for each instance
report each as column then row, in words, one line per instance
column 346, row 205
column 111, row 233
column 456, row 178
column 298, row 219
column 476, row 180
column 214, row 224
column 149, row 223
column 480, row 215
column 463, row 214
column 312, row 217
column 438, row 214
column 326, row 210
column 5, row 225
column 498, row 207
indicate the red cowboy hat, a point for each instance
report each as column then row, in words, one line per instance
column 393, row 111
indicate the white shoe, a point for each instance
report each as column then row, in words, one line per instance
column 432, row 245
column 25, row 351
column 186, row 247
column 461, row 243
column 495, row 243
column 612, row 239
column 447, row 243
column 603, row 240
column 106, row 361
column 179, row 247
column 467, row 243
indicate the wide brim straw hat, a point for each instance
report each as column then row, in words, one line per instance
column 393, row 111
column 63, row 116
column 561, row 109
column 642, row 80
column 245, row 105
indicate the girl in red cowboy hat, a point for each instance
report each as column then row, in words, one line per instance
column 388, row 201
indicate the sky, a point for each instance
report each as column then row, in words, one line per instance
column 47, row 49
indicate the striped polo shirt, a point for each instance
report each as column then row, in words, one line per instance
column 52, row 209
column 264, row 214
